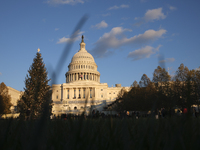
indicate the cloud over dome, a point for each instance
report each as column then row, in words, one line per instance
column 150, row 15
column 116, row 38
column 144, row 52
column 63, row 2
column 102, row 24
column 65, row 39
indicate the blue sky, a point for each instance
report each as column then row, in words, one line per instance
column 125, row 37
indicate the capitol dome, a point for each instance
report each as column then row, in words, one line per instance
column 82, row 67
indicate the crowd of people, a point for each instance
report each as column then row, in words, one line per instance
column 162, row 113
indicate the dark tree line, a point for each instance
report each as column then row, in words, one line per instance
column 181, row 90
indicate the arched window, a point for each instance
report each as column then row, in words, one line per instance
column 75, row 108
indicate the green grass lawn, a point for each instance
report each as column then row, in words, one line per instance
column 110, row 133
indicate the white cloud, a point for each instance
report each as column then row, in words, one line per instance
column 56, row 29
column 154, row 14
column 144, row 52
column 167, row 60
column 70, row 2
column 118, row 7
column 65, row 39
column 117, row 38
column 124, row 6
column 172, row 8
column 150, row 15
column 102, row 24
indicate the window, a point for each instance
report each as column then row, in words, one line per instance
column 57, row 97
column 101, row 95
column 83, row 93
column 67, row 94
column 79, row 93
column 101, row 89
column 74, row 93
column 90, row 93
column 75, row 108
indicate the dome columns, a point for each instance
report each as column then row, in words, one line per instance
column 82, row 76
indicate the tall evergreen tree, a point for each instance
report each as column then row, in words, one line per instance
column 182, row 73
column 135, row 84
column 5, row 100
column 145, row 81
column 160, row 75
column 37, row 96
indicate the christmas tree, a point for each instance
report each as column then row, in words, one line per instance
column 36, row 98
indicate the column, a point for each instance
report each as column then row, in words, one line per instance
column 82, row 76
column 77, row 93
column 64, row 93
column 70, row 77
column 76, row 76
column 93, row 93
column 70, row 93
column 81, row 93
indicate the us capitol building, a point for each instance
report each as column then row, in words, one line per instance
column 82, row 85
column 81, row 90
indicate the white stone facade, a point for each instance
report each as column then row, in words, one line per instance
column 15, row 96
column 82, row 83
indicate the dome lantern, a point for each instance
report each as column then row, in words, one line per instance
column 82, row 45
